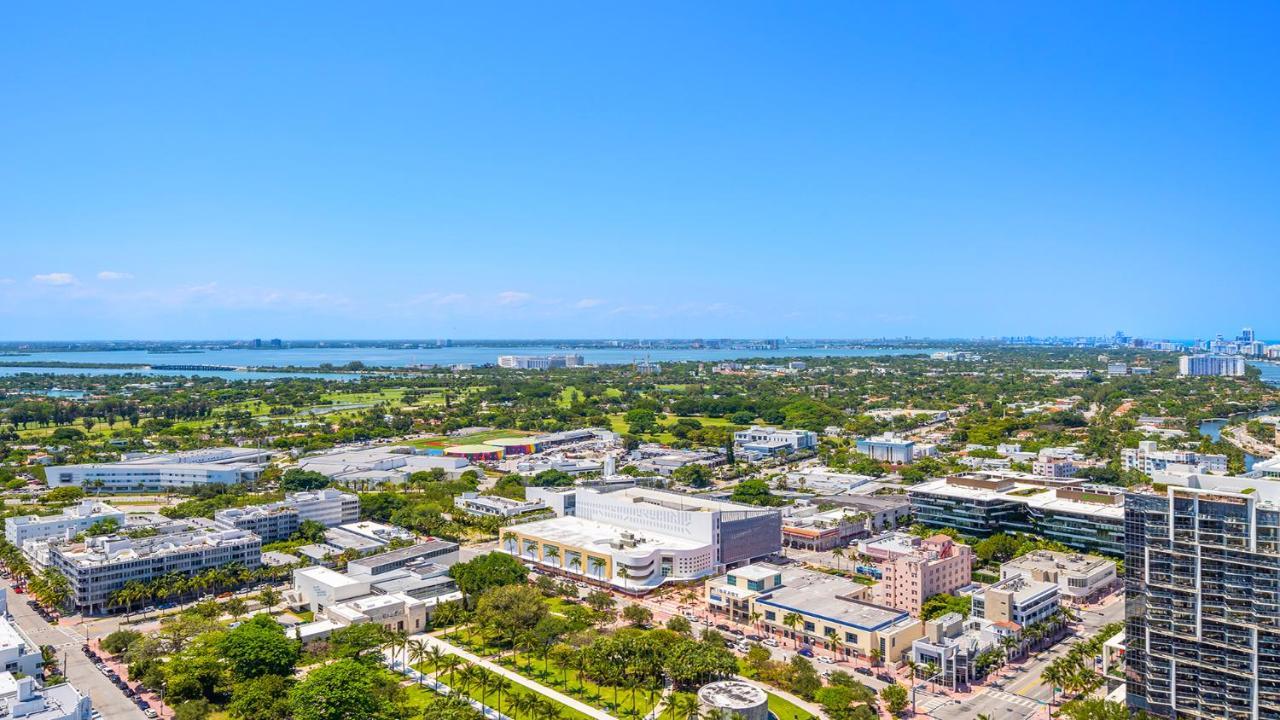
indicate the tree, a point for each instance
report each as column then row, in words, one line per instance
column 694, row 474
column 269, row 598
column 935, row 606
column 679, row 624
column 805, row 680
column 310, row 531
column 120, row 640
column 343, row 690
column 295, row 480
column 755, row 491
column 895, row 698
column 495, row 569
column 356, row 641
column 791, row 620
column 511, row 608
column 637, row 615
column 260, row 647
column 262, row 698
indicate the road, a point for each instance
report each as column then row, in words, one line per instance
column 79, row 669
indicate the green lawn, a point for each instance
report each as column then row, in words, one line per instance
column 446, row 441
column 569, row 682
column 786, row 710
column 490, row 697
column 619, row 425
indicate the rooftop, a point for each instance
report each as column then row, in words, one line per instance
column 1060, row 499
column 589, row 534
column 732, row 695
column 1049, row 560
column 830, row 597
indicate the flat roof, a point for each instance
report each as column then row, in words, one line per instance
column 588, row 534
column 1050, row 560
column 1046, row 500
column 321, row 574
column 828, row 597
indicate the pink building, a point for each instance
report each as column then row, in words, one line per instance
column 912, row 569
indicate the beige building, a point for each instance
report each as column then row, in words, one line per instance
column 912, row 569
column 827, row 612
column 1078, row 577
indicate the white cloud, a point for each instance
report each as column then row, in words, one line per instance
column 513, row 297
column 6, row 281
column 113, row 275
column 56, row 278
column 585, row 303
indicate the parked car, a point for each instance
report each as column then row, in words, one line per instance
column 825, row 660
column 806, row 652
column 863, row 671
column 885, row 677
column 770, row 642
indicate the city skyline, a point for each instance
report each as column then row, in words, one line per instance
column 666, row 171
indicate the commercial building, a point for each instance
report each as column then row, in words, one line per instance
column 280, row 520
column 1149, row 458
column 637, row 538
column 884, row 512
column 952, row 644
column 734, row 699
column 911, row 569
column 539, row 362
column 824, row 481
column 373, row 466
column 1078, row 515
column 813, row 608
column 655, row 459
column 438, row 552
column 23, row 698
column 807, row 528
column 71, row 521
column 98, row 566
column 1078, row 577
column 765, row 441
column 888, row 448
column 17, row 652
column 1202, row 591
column 1223, row 365
column 142, row 472
column 1017, row 602
column 495, row 506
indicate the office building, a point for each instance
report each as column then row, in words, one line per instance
column 1017, row 602
column 1202, row 591
column 825, row 607
column 24, row 699
column 373, row 466
column 765, row 441
column 889, row 448
column 1149, row 459
column 1079, row 577
column 71, row 521
column 805, row 527
column 146, row 472
column 654, row 459
column 438, row 552
column 98, row 566
column 638, row 538
column 952, row 644
column 911, row 569
column 539, row 362
column 1224, row 365
column 1078, row 515
column 280, row 520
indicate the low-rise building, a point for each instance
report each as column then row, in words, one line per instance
column 495, row 506
column 814, row 608
column 377, row 465
column 17, row 652
column 807, row 528
column 71, row 521
column 912, row 569
column 1148, row 458
column 439, row 552
column 1019, row 600
column 953, row 644
column 765, row 441
column 1078, row 577
column 280, row 520
column 316, row 588
column 99, row 566
column 143, row 472
column 889, row 447
column 24, row 698
column 655, row 459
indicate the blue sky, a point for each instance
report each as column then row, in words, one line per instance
column 670, row 169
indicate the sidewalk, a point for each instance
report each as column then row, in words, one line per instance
column 515, row 677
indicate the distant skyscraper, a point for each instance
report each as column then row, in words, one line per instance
column 1228, row 365
column 1246, row 335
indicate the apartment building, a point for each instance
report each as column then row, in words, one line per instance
column 280, row 520
column 889, row 448
column 151, row 472
column 540, row 362
column 1222, row 365
column 98, row 566
column 1072, row 512
column 1150, row 459
column 24, row 698
column 1202, row 590
column 1055, row 465
column 1078, row 577
column 813, row 608
column 1017, row 602
column 911, row 569
column 72, row 520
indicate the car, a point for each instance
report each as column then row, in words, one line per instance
column 736, row 631
column 825, row 660
column 863, row 671
column 885, row 677
column 770, row 642
column 755, row 638
column 150, row 713
column 723, row 628
column 143, row 704
column 806, row 652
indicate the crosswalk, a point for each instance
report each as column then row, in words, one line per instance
column 1019, row 700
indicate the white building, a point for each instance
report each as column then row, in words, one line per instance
column 280, row 520
column 319, row 587
column 772, row 441
column 1148, row 458
column 17, row 652
column 637, row 538
column 373, row 466
column 153, row 472
column 889, row 448
column 23, row 698
column 72, row 520
column 495, row 506
column 1017, row 599
column 1225, row 365
column 1078, row 577
column 1053, row 464
column 539, row 362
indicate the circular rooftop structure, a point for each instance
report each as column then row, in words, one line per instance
column 514, row 445
column 735, row 698
column 475, row 452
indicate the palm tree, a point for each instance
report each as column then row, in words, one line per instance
column 436, row 657
column 416, row 650
column 596, row 564
column 1054, row 676
column 838, row 554
column 669, row 703
column 930, row 670
column 625, row 575
column 575, row 563
column 501, row 685
column 791, row 620
column 510, row 540
column 552, row 553
column 269, row 597
column 834, row 644
column 482, row 679
column 877, row 656
column 522, row 704
column 689, row 708
column 755, row 617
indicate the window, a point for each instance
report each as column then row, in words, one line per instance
column 770, row 615
column 808, row 627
